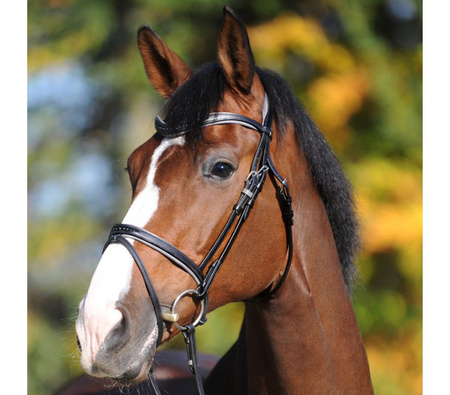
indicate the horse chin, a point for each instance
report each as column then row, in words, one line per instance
column 134, row 375
column 126, row 366
column 137, row 372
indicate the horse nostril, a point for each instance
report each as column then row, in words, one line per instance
column 79, row 344
column 119, row 335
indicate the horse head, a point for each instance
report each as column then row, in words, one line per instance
column 188, row 181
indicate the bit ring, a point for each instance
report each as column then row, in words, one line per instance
column 194, row 293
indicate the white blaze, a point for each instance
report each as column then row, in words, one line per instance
column 98, row 313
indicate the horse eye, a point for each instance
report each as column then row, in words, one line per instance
column 222, row 170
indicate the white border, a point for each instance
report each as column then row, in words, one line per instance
column 436, row 263
column 13, row 202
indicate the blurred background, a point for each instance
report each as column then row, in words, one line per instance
column 356, row 66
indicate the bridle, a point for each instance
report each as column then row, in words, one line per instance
column 205, row 273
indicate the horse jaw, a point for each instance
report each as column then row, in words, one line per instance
column 99, row 313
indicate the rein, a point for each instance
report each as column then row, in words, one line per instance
column 202, row 274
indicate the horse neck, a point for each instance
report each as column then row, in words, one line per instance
column 306, row 339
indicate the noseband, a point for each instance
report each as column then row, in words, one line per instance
column 205, row 273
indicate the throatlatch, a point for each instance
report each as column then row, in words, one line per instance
column 205, row 273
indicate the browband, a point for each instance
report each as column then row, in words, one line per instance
column 219, row 118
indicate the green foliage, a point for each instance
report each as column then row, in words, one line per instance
column 360, row 82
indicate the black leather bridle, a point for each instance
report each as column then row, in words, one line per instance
column 205, row 273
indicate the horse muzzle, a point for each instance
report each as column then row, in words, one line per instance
column 125, row 352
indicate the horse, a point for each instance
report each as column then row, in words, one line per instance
column 236, row 197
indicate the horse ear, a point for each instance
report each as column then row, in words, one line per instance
column 235, row 53
column 165, row 69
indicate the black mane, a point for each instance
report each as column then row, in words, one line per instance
column 191, row 104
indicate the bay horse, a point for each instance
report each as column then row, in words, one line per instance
column 237, row 197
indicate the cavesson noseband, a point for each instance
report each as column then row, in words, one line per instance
column 205, row 273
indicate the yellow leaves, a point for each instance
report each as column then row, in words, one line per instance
column 388, row 226
column 343, row 84
column 395, row 227
column 389, row 200
column 293, row 33
column 334, row 98
column 400, row 373
column 286, row 32
column 389, row 197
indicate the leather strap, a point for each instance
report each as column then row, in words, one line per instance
column 191, row 349
column 148, row 284
column 165, row 248
column 153, row 383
